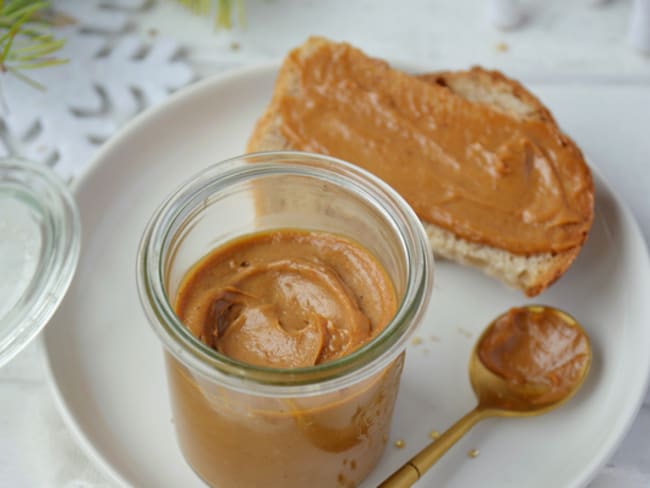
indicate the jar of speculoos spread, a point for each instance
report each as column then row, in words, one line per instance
column 247, row 423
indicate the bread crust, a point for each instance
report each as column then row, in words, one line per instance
column 531, row 273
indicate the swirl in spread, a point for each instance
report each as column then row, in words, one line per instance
column 513, row 183
column 286, row 298
column 536, row 347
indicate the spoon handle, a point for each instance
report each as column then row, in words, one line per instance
column 413, row 469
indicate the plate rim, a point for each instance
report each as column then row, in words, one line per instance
column 587, row 473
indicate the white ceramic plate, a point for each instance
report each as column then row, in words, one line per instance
column 106, row 364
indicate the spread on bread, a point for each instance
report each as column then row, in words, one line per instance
column 480, row 173
column 482, row 162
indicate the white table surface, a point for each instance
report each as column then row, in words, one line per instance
column 609, row 117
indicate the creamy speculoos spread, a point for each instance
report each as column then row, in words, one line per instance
column 284, row 299
column 536, row 347
column 287, row 298
column 234, row 440
column 487, row 176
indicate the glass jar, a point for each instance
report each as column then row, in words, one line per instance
column 40, row 239
column 249, row 426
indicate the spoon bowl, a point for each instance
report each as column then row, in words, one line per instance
column 509, row 386
column 528, row 398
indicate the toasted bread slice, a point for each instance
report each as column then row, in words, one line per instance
column 531, row 273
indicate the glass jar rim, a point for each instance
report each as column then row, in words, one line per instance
column 278, row 382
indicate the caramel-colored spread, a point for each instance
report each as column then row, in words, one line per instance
column 287, row 298
column 512, row 183
column 326, row 441
column 536, row 347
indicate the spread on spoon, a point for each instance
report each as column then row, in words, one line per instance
column 536, row 346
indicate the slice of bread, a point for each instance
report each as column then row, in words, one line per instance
column 531, row 273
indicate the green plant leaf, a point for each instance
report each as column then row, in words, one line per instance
column 224, row 14
column 25, row 42
column 11, row 35
column 43, row 63
column 28, row 9
column 26, row 79
column 224, row 10
column 33, row 51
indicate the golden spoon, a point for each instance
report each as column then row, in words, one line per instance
column 528, row 361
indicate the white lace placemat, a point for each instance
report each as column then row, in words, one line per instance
column 113, row 73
